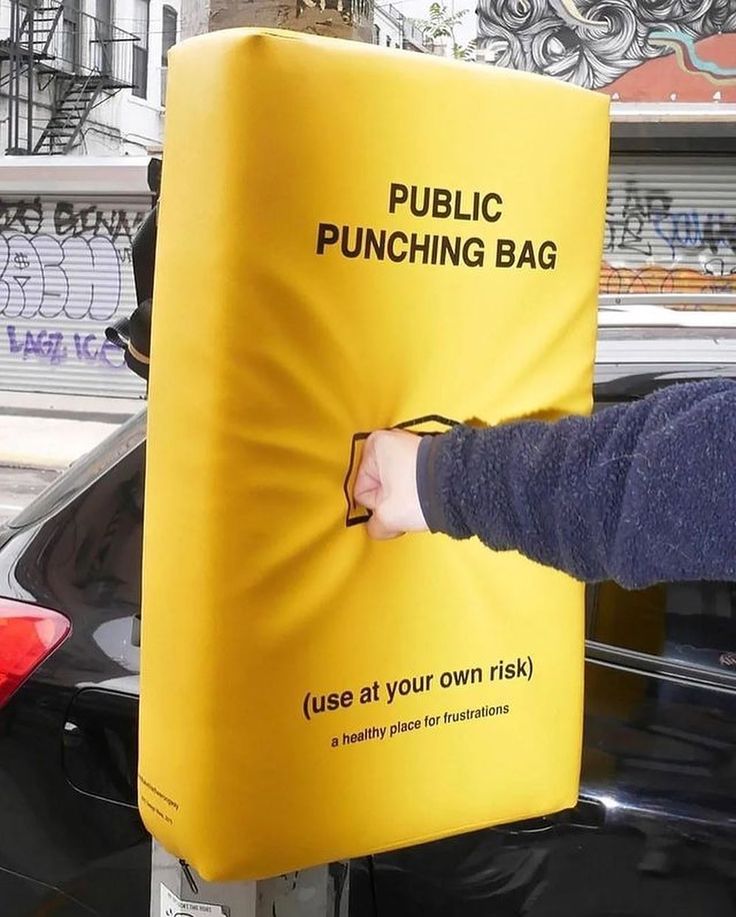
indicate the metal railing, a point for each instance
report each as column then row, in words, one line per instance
column 413, row 34
column 410, row 31
column 70, row 41
column 88, row 45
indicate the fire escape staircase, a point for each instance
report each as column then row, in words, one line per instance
column 37, row 27
column 82, row 61
column 77, row 95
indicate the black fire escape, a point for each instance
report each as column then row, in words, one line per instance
column 53, row 47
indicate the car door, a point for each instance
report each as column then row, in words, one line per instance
column 660, row 749
column 654, row 831
column 71, row 841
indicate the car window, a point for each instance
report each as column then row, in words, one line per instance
column 86, row 470
column 688, row 623
column 87, row 555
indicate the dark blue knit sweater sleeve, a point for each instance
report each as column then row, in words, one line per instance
column 638, row 493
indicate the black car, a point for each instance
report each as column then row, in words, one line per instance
column 654, row 832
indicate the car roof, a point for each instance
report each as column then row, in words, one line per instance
column 642, row 346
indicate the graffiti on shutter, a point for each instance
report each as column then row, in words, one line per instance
column 65, row 273
column 670, row 228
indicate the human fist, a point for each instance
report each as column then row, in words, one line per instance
column 386, row 484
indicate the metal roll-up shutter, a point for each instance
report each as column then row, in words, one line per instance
column 671, row 228
column 65, row 274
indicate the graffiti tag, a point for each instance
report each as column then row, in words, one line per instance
column 654, row 246
column 55, row 347
column 91, row 221
column 69, row 219
column 76, row 278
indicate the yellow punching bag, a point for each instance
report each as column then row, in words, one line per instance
column 353, row 238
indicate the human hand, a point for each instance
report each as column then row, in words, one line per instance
column 386, row 484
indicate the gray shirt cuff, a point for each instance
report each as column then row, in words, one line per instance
column 427, row 485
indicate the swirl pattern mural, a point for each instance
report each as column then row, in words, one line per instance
column 593, row 43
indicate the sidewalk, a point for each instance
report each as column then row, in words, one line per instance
column 52, row 431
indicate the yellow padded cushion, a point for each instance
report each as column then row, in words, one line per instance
column 354, row 238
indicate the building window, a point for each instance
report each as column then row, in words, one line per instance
column 168, row 40
column 103, row 34
column 70, row 33
column 141, row 14
column 378, row 34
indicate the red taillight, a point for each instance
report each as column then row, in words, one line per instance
column 28, row 635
